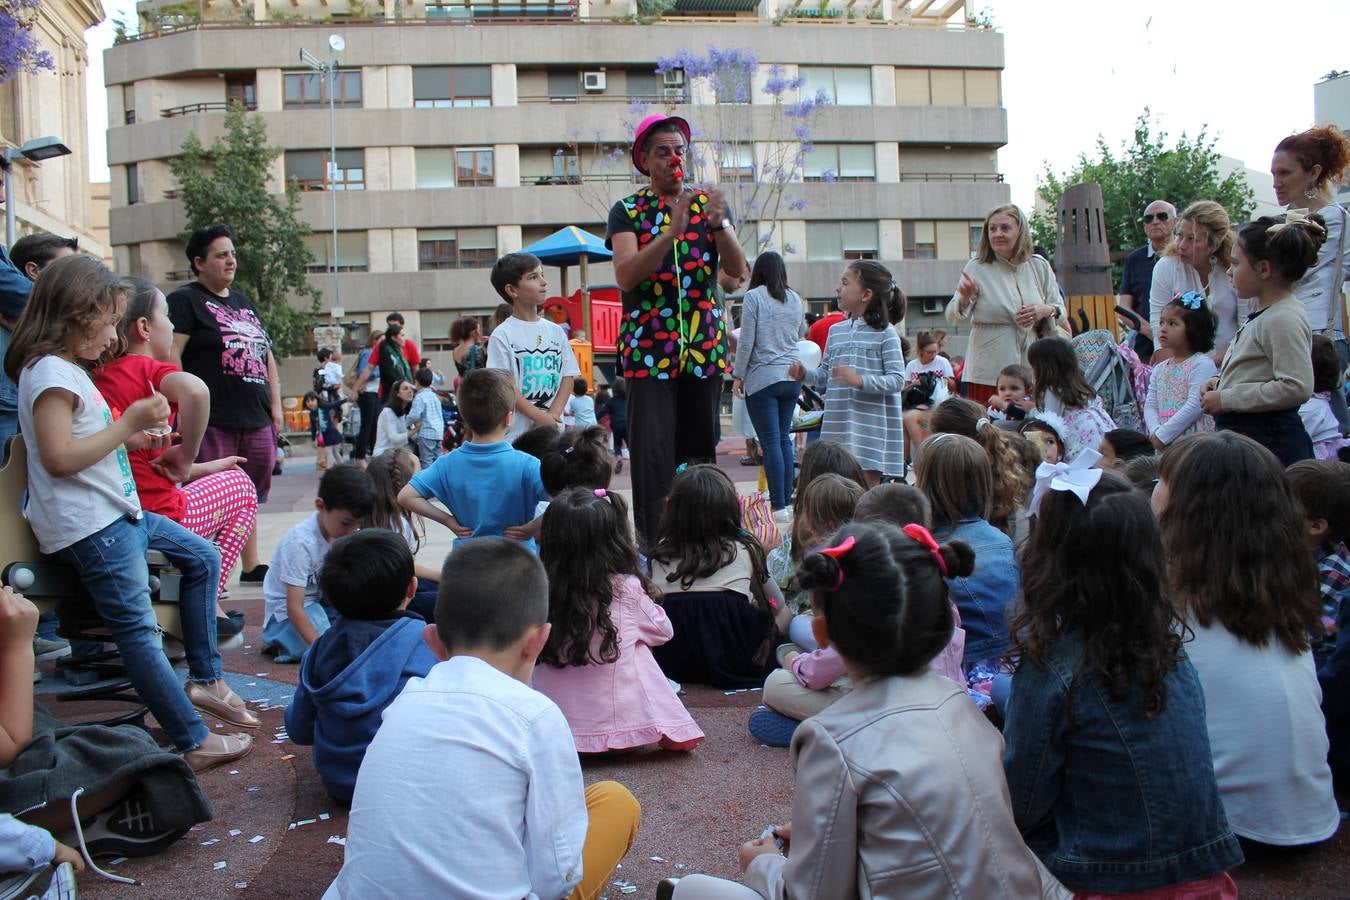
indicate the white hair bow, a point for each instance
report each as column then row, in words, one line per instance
column 1078, row 476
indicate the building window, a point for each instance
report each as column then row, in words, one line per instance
column 352, row 254
column 309, row 90
column 130, row 117
column 841, row 240
column 133, row 184
column 842, row 85
column 947, row 87
column 562, row 84
column 736, row 162
column 443, row 87
column 243, row 89
column 309, row 169
column 456, row 248
column 435, row 167
column 919, row 240
column 134, row 260
column 976, row 229
column 840, row 162
column 474, row 168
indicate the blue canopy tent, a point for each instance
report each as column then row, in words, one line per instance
column 570, row 246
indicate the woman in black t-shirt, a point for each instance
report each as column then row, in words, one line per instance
column 219, row 337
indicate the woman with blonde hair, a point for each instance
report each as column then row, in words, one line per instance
column 1197, row 259
column 1008, row 295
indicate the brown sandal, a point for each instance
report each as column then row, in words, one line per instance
column 216, row 699
column 219, row 749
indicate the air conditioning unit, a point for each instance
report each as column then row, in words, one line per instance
column 933, row 306
column 673, row 95
column 674, row 77
column 593, row 82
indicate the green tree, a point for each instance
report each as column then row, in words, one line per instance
column 1144, row 170
column 228, row 183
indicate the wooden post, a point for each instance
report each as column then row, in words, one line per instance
column 586, row 301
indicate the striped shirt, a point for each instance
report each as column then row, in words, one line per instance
column 868, row 419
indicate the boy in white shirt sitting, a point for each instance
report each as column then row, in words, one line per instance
column 471, row 787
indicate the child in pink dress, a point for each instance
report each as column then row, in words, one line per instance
column 1186, row 328
column 598, row 664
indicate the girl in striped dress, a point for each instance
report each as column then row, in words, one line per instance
column 864, row 371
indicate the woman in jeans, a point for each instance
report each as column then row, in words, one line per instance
column 773, row 320
column 366, row 394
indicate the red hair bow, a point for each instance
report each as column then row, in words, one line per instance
column 837, row 553
column 925, row 538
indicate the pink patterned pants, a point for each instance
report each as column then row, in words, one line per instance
column 222, row 508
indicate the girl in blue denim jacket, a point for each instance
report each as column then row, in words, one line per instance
column 955, row 474
column 1107, row 755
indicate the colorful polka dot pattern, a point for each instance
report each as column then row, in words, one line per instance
column 673, row 324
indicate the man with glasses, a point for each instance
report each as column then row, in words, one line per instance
column 1136, row 277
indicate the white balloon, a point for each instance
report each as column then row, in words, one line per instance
column 809, row 354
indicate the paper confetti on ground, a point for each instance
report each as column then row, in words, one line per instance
column 256, row 838
column 220, row 865
column 337, row 839
column 235, row 832
column 210, row 842
column 288, row 756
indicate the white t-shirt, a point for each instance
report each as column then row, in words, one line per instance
column 331, row 373
column 538, row 357
column 1267, row 736
column 63, row 511
column 941, row 366
column 296, row 563
column 466, row 751
column 580, row 411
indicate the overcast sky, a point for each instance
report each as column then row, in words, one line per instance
column 1078, row 69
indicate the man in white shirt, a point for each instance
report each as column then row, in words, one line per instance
column 471, row 787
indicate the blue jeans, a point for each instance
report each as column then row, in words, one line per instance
column 281, row 635
column 111, row 563
column 770, row 411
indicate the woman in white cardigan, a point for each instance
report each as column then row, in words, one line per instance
column 1197, row 259
column 391, row 429
column 1306, row 169
column 1008, row 295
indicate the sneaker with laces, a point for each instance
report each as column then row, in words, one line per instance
column 44, row 649
column 128, row 828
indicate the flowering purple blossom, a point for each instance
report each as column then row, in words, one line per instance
column 19, row 50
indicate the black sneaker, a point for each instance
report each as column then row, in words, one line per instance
column 254, row 575
column 665, row 890
column 229, row 626
column 128, row 829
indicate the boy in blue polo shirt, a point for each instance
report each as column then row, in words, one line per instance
column 486, row 486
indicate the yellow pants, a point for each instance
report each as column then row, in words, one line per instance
column 614, row 814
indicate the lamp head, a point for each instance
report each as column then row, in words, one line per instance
column 42, row 148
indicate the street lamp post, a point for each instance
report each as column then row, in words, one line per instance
column 36, row 150
column 330, row 74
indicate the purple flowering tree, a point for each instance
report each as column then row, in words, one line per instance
column 19, row 49
column 749, row 138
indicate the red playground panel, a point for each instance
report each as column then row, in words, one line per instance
column 606, row 314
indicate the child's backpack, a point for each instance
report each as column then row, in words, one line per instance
column 1110, row 376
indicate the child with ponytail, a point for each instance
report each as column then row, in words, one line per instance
column 1267, row 372
column 899, row 790
column 1011, row 481
column 865, row 371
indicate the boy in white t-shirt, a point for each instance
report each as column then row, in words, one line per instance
column 580, row 410
column 535, row 351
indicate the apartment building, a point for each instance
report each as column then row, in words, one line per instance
column 469, row 129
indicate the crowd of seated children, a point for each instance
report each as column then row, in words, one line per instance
column 881, row 773
column 295, row 612
column 472, row 750
column 597, row 664
column 486, row 486
column 358, row 666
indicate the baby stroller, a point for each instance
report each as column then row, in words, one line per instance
column 454, row 425
column 1110, row 374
